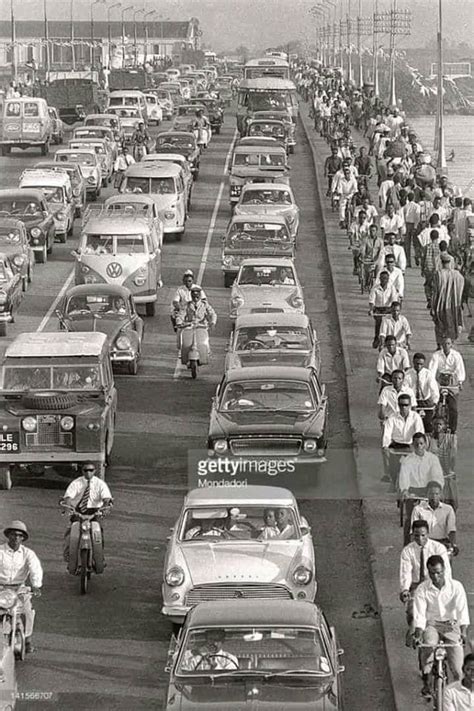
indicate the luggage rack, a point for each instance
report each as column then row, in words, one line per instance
column 118, row 210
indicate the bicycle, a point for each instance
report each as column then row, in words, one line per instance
column 406, row 512
column 442, row 409
column 439, row 670
column 366, row 275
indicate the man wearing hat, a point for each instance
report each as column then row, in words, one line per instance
column 18, row 564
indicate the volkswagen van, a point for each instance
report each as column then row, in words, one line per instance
column 254, row 236
column 164, row 183
column 90, row 167
column 119, row 248
column 183, row 163
column 58, row 402
column 128, row 99
column 26, row 123
column 257, row 164
column 145, row 205
column 57, row 189
column 102, row 149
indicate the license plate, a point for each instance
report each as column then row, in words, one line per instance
column 9, row 441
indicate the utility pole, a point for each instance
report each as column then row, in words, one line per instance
column 73, row 51
column 439, row 136
column 13, row 40
column 359, row 44
column 349, row 37
column 394, row 22
column 392, row 91
column 46, row 36
column 375, row 48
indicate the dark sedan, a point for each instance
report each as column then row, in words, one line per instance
column 182, row 142
column 278, row 412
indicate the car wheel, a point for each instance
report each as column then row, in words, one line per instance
column 150, row 308
column 3, row 329
column 24, row 283
column 42, row 257
column 5, row 478
column 229, row 280
column 6, row 150
column 71, row 229
column 133, row 367
column 45, row 149
column 104, row 182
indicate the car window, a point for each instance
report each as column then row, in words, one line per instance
column 98, row 244
column 76, row 377
column 20, row 207
column 137, row 185
column 100, row 304
column 266, row 275
column 260, row 395
column 266, row 197
column 13, row 109
column 26, row 378
column 227, row 524
column 275, row 337
column 10, row 235
column 163, row 186
column 53, row 194
column 31, row 109
column 130, row 244
column 257, row 231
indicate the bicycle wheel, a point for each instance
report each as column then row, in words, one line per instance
column 84, row 568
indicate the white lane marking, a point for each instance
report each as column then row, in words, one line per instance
column 207, row 246
column 56, row 301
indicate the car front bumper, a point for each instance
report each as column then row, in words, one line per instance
column 50, row 457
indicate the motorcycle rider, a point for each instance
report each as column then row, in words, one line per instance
column 87, row 494
column 140, row 141
column 201, row 127
column 182, row 296
column 17, row 565
column 197, row 311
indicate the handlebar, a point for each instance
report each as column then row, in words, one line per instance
column 99, row 513
column 443, row 645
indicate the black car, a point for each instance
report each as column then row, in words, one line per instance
column 182, row 142
column 30, row 207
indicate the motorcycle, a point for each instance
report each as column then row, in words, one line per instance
column 86, row 551
column 195, row 348
column 13, row 648
column 203, row 136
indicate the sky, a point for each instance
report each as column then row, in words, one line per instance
column 264, row 23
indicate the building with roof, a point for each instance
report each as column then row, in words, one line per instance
column 83, row 44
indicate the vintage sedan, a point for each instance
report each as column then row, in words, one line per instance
column 266, row 285
column 230, row 543
column 272, row 129
column 11, row 292
column 103, row 150
column 108, row 120
column 58, row 402
column 100, row 132
column 270, row 655
column 31, row 208
column 186, row 117
column 78, row 181
column 130, row 117
column 90, row 165
column 280, row 411
column 57, row 189
column 273, row 339
column 108, row 309
column 182, row 142
column 249, row 235
column 257, row 164
column 273, row 199
column 15, row 245
column 284, row 116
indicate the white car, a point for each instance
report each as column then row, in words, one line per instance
column 227, row 545
column 270, row 199
column 154, row 110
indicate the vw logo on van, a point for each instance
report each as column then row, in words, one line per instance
column 114, row 270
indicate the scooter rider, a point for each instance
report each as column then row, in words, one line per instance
column 140, row 141
column 182, row 296
column 17, row 565
column 201, row 124
column 197, row 311
column 87, row 494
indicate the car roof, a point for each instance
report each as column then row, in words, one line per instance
column 277, row 372
column 117, row 224
column 57, row 165
column 259, row 219
column 126, row 92
column 56, row 345
column 125, row 198
column 100, row 116
column 52, row 177
column 284, row 613
column 81, row 151
column 167, row 157
column 22, row 193
column 100, row 289
column 270, row 260
column 274, row 148
column 266, row 186
column 267, row 495
column 187, row 134
column 88, row 141
column 265, row 120
column 273, row 319
column 151, row 170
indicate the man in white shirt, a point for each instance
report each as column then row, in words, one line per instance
column 447, row 366
column 423, row 383
column 413, row 571
column 87, row 495
column 440, row 517
column 391, row 358
column 381, row 297
column 411, row 214
column 122, row 162
column 346, row 187
column 395, row 325
column 398, row 432
column 391, row 248
column 440, row 612
column 424, row 238
column 388, row 398
column 417, row 470
column 391, row 222
column 18, row 564
column 459, row 696
column 395, row 276
column 210, row 655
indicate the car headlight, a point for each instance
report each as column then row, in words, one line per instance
column 302, row 575
column 310, row 445
column 227, row 260
column 123, row 343
column 60, row 216
column 84, row 269
column 76, row 192
column 440, row 654
column 36, row 232
column 93, row 426
column 139, row 280
column 220, row 446
column 3, row 297
column 18, row 260
column 237, row 301
column 29, row 424
column 174, row 576
column 91, row 180
column 169, row 215
column 296, row 301
column 67, row 423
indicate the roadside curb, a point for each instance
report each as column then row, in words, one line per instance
column 352, row 421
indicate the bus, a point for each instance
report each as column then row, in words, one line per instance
column 267, row 67
column 268, row 94
column 275, row 53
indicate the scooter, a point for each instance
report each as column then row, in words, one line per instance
column 12, row 629
column 86, row 552
column 195, row 348
column 203, row 136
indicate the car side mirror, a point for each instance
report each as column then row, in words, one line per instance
column 305, row 530
column 74, row 253
column 340, row 668
column 340, row 652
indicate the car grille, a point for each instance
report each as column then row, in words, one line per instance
column 49, row 433
column 270, row 446
column 266, row 310
column 208, row 593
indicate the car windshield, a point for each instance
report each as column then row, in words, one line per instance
column 142, row 209
column 173, row 142
column 259, row 275
column 260, row 159
column 53, row 194
column 258, row 232
column 123, row 101
column 259, row 395
column 20, row 207
column 80, row 377
column 266, row 129
column 269, row 650
column 96, row 304
column 99, row 150
column 266, row 197
column 275, row 337
column 81, row 158
column 99, row 122
column 267, row 101
column 9, row 235
column 157, row 186
column 5, row 273
column 252, row 523
column 114, row 244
